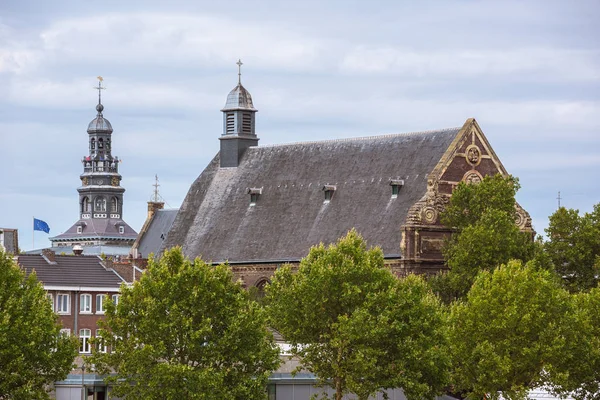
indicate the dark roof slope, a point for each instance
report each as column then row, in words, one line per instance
column 157, row 232
column 70, row 271
column 217, row 222
column 98, row 228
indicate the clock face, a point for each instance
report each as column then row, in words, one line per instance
column 115, row 181
column 100, row 182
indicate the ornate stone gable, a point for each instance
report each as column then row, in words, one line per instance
column 468, row 159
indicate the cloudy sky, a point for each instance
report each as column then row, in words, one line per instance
column 528, row 71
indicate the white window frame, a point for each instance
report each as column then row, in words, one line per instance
column 65, row 332
column 50, row 297
column 100, row 343
column 100, row 303
column 115, row 299
column 85, row 307
column 84, row 341
column 121, row 229
column 60, row 302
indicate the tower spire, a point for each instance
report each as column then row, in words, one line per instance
column 239, row 64
column 100, row 88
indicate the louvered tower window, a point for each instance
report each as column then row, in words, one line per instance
column 230, row 123
column 247, row 123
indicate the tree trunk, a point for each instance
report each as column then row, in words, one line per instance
column 338, row 389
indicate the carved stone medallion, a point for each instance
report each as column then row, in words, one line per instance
column 473, row 155
column 472, row 177
column 429, row 215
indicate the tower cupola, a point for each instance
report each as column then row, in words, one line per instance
column 239, row 124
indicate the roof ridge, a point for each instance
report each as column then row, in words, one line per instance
column 384, row 136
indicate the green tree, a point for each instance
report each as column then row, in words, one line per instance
column 33, row 354
column 578, row 374
column 357, row 327
column 574, row 247
column 186, row 330
column 511, row 333
column 486, row 235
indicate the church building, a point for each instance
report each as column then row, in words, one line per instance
column 259, row 206
column 100, row 228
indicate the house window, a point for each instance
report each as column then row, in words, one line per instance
column 396, row 184
column 63, row 303
column 85, row 205
column 328, row 190
column 100, row 204
column 114, row 205
column 100, row 342
column 79, row 229
column 84, row 340
column 115, row 299
column 100, row 303
column 50, row 300
column 85, row 303
column 121, row 229
column 254, row 193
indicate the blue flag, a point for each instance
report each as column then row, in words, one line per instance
column 39, row 225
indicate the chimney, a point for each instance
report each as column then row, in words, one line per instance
column 153, row 206
column 49, row 255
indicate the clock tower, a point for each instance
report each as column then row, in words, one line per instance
column 100, row 228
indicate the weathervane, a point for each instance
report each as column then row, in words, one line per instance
column 156, row 185
column 100, row 88
column 239, row 64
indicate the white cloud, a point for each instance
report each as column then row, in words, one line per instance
column 542, row 63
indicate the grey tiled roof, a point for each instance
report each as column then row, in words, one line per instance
column 217, row 222
column 98, row 228
column 70, row 271
column 157, row 232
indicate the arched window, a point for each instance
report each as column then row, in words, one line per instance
column 100, row 204
column 93, row 144
column 260, row 287
column 114, row 205
column 100, row 143
column 85, row 205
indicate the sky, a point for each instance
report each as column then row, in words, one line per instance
column 528, row 71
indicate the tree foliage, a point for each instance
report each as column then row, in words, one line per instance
column 186, row 330
column 511, row 333
column 574, row 247
column 486, row 235
column 32, row 352
column 578, row 373
column 357, row 327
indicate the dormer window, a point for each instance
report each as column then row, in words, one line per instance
column 254, row 193
column 121, row 230
column 79, row 229
column 328, row 190
column 396, row 184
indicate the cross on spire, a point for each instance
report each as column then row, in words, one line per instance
column 239, row 64
column 100, row 88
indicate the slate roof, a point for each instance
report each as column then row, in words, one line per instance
column 217, row 222
column 157, row 232
column 70, row 271
column 98, row 228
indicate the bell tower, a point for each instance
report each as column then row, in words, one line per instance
column 239, row 124
column 100, row 228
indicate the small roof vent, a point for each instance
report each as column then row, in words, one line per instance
column 255, row 190
column 329, row 188
column 77, row 250
column 397, row 182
